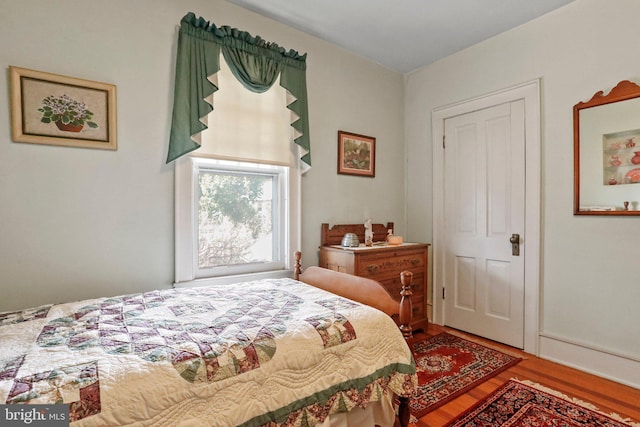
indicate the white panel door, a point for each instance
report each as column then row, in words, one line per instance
column 484, row 200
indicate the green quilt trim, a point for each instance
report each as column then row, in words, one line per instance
column 279, row 416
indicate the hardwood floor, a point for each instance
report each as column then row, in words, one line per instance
column 607, row 396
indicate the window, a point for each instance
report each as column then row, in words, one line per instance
column 234, row 220
column 238, row 195
column 239, row 221
column 257, row 115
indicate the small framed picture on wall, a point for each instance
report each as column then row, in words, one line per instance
column 59, row 110
column 356, row 154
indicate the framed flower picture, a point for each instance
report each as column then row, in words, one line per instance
column 59, row 110
column 356, row 154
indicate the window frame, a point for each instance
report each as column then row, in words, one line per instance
column 187, row 272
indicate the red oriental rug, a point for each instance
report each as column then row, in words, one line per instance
column 448, row 366
column 525, row 404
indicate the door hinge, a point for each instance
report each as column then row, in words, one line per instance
column 443, row 141
column 443, row 293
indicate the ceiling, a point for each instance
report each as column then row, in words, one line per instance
column 402, row 35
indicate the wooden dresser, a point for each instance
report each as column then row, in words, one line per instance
column 383, row 263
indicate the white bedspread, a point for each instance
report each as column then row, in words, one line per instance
column 272, row 352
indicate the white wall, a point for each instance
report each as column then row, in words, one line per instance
column 78, row 223
column 590, row 283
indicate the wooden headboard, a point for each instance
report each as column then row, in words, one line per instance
column 334, row 235
column 361, row 289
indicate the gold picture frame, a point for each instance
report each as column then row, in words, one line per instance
column 356, row 154
column 59, row 110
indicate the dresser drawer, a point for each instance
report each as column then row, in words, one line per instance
column 418, row 312
column 389, row 264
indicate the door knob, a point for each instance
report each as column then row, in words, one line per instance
column 515, row 244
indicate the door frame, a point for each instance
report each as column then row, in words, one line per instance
column 530, row 93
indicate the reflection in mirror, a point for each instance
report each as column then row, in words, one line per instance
column 607, row 152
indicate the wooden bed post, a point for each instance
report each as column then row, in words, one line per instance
column 406, row 315
column 406, row 307
column 404, row 412
column 297, row 269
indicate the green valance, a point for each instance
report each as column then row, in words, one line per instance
column 253, row 61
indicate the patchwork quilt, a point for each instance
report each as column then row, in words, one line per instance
column 265, row 353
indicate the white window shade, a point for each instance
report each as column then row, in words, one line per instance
column 248, row 126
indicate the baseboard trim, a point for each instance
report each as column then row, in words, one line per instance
column 612, row 365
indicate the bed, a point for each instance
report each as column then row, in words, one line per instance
column 278, row 352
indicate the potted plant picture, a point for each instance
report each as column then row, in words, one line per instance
column 68, row 114
column 83, row 111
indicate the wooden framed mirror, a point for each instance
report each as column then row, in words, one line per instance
column 606, row 133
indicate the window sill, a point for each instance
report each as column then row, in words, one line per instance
column 227, row 280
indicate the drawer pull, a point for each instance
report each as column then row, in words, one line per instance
column 372, row 268
column 415, row 261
